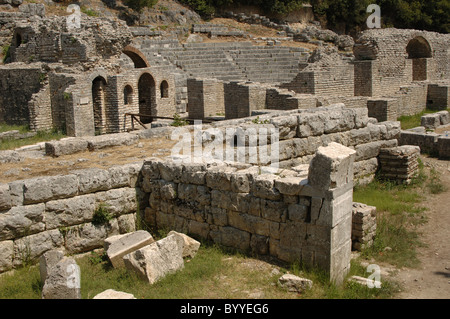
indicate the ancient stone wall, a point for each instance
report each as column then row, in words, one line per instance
column 56, row 212
column 17, row 85
column 291, row 218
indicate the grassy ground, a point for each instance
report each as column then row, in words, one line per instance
column 41, row 136
column 400, row 212
column 413, row 121
column 216, row 273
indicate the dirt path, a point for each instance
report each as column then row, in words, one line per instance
column 432, row 279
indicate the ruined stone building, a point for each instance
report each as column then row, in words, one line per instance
column 84, row 81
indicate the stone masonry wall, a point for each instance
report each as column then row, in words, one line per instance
column 44, row 213
column 290, row 218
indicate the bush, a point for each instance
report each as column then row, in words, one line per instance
column 101, row 215
column 139, row 5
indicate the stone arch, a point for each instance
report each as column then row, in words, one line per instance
column 418, row 48
column 127, row 95
column 164, row 89
column 147, row 96
column 99, row 104
column 419, row 51
column 138, row 58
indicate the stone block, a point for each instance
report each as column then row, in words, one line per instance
column 42, row 189
column 332, row 167
column 231, row 237
column 444, row 117
column 431, row 121
column 92, row 180
column 114, row 294
column 69, row 212
column 31, row 247
column 264, row 187
column 47, row 261
column 6, row 255
column 110, row 140
column 63, row 281
column 66, row 146
column 22, row 221
column 294, row 283
column 121, row 245
column 155, row 261
column 87, row 237
column 444, row 147
column 191, row 245
column 289, row 185
column 5, row 197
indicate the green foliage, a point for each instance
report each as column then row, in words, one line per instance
column 258, row 121
column 6, row 53
column 101, row 215
column 178, row 121
column 139, row 5
column 89, row 12
column 416, row 14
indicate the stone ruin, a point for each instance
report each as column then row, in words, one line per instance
column 336, row 115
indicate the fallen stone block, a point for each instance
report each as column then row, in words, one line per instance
column 444, row 117
column 63, row 281
column 431, row 121
column 155, row 261
column 66, row 146
column 47, row 261
column 366, row 282
column 191, row 246
column 110, row 140
column 294, row 283
column 118, row 246
column 444, row 147
column 114, row 294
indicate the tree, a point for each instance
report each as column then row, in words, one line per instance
column 139, row 5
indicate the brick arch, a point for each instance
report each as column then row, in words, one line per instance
column 419, row 47
column 138, row 58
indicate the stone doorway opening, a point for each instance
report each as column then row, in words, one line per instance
column 419, row 50
column 147, row 97
column 99, row 104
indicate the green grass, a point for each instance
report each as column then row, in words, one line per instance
column 41, row 136
column 399, row 213
column 412, row 121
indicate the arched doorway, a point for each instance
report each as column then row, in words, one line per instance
column 147, row 97
column 419, row 51
column 98, row 100
column 127, row 95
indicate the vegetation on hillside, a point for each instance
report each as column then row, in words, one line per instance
column 348, row 15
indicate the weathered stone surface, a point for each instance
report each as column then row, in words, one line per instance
column 47, row 261
column 114, row 294
column 69, row 212
column 191, row 245
column 42, row 189
column 294, row 283
column 31, row 247
column 118, row 246
column 158, row 259
column 431, row 121
column 103, row 141
column 444, row 117
column 21, row 221
column 332, row 167
column 6, row 255
column 63, row 281
column 5, row 197
column 66, row 146
column 87, row 236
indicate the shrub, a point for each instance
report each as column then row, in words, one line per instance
column 101, row 215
